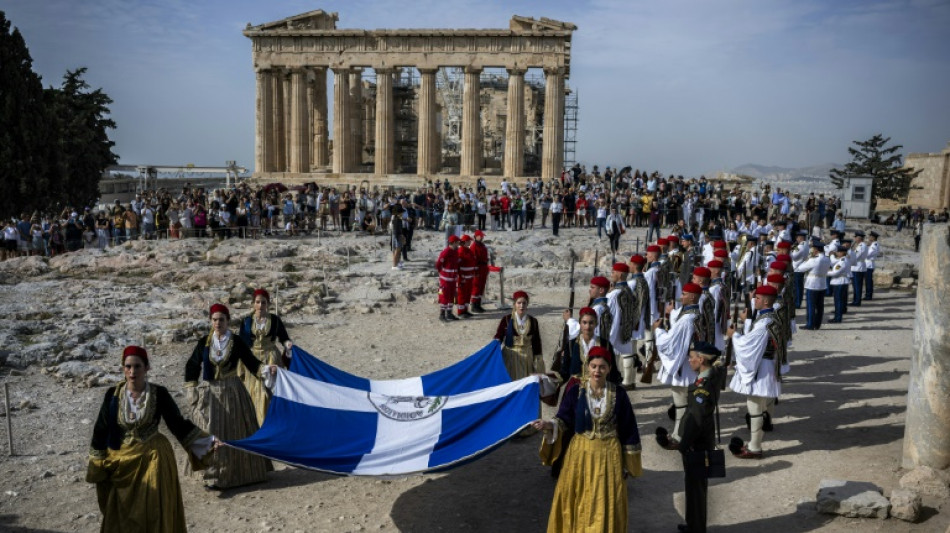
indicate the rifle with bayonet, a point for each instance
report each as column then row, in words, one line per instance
column 650, row 367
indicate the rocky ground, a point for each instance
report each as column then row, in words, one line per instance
column 64, row 321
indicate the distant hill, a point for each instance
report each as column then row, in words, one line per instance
column 800, row 180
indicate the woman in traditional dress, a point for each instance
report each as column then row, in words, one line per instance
column 221, row 405
column 591, row 492
column 571, row 364
column 265, row 333
column 521, row 340
column 131, row 462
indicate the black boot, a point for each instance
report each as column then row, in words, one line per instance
column 450, row 317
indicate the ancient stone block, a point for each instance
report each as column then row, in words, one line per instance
column 926, row 480
column 905, row 504
column 854, row 499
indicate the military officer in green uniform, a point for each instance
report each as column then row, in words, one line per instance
column 698, row 431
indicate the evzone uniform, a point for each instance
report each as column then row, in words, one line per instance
column 642, row 308
column 625, row 320
column 760, row 359
column 719, row 294
column 447, row 265
column 650, row 277
column 673, row 348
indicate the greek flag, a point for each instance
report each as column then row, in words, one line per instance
column 325, row 419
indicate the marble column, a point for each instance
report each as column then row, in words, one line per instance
column 277, row 118
column 341, row 119
column 927, row 426
column 552, row 147
column 385, row 122
column 319, row 107
column 471, row 157
column 356, row 120
column 514, row 128
column 287, row 108
column 264, row 141
column 299, row 123
column 425, row 161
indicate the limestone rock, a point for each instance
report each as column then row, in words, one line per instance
column 926, row 480
column 905, row 504
column 854, row 499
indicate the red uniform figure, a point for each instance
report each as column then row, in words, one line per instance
column 480, row 251
column 466, row 277
column 447, row 265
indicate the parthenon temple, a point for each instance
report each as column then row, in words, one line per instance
column 411, row 104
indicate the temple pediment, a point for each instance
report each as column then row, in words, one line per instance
column 520, row 24
column 311, row 20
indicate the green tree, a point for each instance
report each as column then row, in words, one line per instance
column 80, row 119
column 25, row 148
column 874, row 158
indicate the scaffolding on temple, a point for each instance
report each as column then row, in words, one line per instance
column 570, row 127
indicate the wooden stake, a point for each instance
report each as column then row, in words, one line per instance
column 6, row 403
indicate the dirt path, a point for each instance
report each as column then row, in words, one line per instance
column 841, row 416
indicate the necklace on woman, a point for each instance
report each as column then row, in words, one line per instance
column 135, row 405
column 596, row 400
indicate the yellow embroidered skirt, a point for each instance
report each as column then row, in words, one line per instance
column 224, row 409
column 520, row 363
column 137, row 487
column 591, row 493
column 259, row 394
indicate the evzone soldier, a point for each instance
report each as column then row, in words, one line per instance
column 651, row 276
column 447, row 266
column 698, row 430
column 874, row 251
column 816, row 268
column 642, row 306
column 673, row 348
column 706, row 325
column 478, row 248
column 746, row 264
column 760, row 359
column 838, row 280
column 843, row 244
column 859, row 253
column 466, row 277
column 799, row 254
column 623, row 310
column 781, row 306
column 720, row 293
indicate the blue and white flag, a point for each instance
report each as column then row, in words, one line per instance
column 339, row 423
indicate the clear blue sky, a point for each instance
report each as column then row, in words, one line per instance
column 681, row 86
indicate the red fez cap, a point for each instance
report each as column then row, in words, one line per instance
column 775, row 278
column 479, row 233
column 720, row 244
column 784, row 245
column 778, row 265
column 662, row 241
column 767, row 290
column 638, row 259
column 466, row 238
column 702, row 272
column 692, row 288
column 784, row 258
column 653, row 248
column 720, row 253
column 600, row 351
column 262, row 292
column 520, row 294
column 453, row 238
column 600, row 281
column 587, row 311
column 715, row 263
column 135, row 350
column 621, row 267
column 220, row 308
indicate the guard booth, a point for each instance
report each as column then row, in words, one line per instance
column 857, row 196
